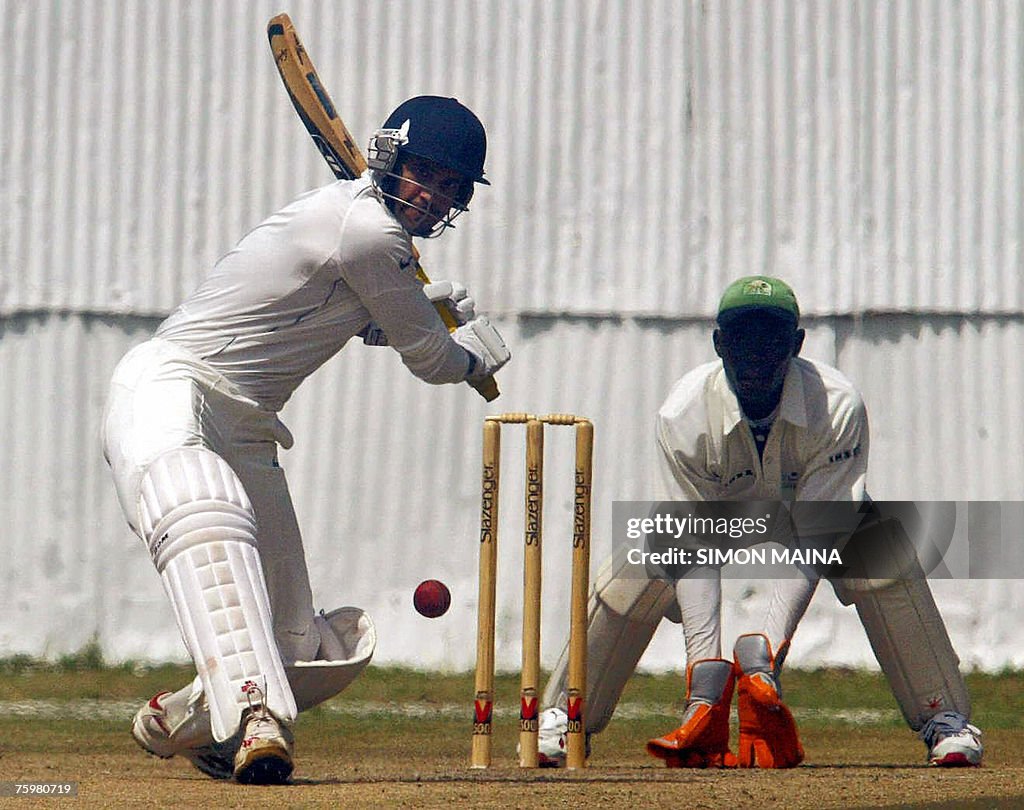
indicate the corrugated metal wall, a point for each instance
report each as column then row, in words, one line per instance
column 641, row 155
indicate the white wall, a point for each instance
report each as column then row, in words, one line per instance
column 641, row 154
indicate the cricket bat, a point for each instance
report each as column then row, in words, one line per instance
column 331, row 136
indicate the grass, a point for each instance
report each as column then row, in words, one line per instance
column 402, row 737
column 816, row 695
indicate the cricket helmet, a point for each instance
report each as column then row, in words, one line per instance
column 436, row 128
column 432, row 128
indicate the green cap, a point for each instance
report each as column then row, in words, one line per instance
column 758, row 293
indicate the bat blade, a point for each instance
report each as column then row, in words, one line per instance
column 312, row 102
column 331, row 137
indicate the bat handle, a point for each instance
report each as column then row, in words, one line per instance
column 487, row 387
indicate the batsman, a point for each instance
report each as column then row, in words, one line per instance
column 191, row 432
column 761, row 423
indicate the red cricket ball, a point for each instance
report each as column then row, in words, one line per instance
column 432, row 598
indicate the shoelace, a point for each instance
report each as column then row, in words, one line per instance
column 255, row 698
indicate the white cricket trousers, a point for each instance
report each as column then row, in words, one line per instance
column 162, row 398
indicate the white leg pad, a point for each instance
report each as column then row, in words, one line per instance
column 623, row 615
column 912, row 646
column 201, row 531
column 347, row 641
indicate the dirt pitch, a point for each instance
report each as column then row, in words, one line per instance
column 410, row 748
column 124, row 777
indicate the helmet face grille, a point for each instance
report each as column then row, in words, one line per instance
column 385, row 183
column 444, row 131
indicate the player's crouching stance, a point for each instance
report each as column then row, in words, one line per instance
column 762, row 424
column 191, row 433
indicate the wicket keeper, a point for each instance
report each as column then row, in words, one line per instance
column 763, row 423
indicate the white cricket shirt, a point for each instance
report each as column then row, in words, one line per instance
column 817, row 449
column 297, row 287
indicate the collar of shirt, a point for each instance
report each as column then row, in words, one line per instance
column 792, row 408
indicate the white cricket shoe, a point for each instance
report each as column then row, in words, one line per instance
column 264, row 756
column 952, row 741
column 152, row 727
column 171, row 723
column 552, row 727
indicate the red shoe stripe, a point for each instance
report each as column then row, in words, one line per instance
column 954, row 759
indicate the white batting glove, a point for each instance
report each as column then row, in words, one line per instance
column 486, row 347
column 455, row 296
